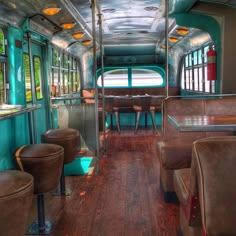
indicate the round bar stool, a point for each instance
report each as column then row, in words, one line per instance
column 44, row 162
column 69, row 139
column 16, row 197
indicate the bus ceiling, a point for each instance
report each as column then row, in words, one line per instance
column 129, row 26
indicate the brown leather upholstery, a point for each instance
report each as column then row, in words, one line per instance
column 175, row 148
column 44, row 162
column 16, row 195
column 214, row 161
column 207, row 190
column 186, row 190
column 67, row 138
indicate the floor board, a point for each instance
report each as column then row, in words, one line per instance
column 124, row 198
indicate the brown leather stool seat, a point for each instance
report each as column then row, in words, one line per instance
column 16, row 195
column 44, row 162
column 67, row 138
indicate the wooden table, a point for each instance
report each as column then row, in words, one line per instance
column 204, row 122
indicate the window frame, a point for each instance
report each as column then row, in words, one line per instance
column 66, row 68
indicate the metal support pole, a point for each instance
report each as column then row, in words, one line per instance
column 48, row 90
column 96, row 87
column 166, row 46
column 166, row 55
column 103, row 92
column 32, row 86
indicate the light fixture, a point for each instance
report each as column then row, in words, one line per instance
column 182, row 31
column 86, row 42
column 68, row 25
column 51, row 11
column 173, row 39
column 78, row 35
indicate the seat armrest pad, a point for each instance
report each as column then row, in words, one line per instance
column 175, row 154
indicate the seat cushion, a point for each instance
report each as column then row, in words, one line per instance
column 139, row 108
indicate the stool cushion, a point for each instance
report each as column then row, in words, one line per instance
column 67, row 138
column 16, row 195
column 44, row 162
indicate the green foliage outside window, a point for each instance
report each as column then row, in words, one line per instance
column 2, row 44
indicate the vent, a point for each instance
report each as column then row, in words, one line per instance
column 42, row 25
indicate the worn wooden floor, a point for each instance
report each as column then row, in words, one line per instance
column 124, row 199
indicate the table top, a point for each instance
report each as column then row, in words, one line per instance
column 204, row 122
column 16, row 110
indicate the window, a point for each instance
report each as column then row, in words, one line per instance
column 131, row 77
column 38, row 77
column 3, row 60
column 27, row 76
column 194, row 72
column 65, row 73
column 115, row 78
column 146, row 77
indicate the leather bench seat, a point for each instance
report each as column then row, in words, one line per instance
column 175, row 147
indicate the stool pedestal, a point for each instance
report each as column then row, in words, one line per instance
column 44, row 162
column 69, row 139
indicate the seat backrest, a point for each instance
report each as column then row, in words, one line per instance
column 144, row 102
column 109, row 104
column 214, row 159
column 177, row 106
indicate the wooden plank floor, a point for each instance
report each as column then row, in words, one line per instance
column 123, row 199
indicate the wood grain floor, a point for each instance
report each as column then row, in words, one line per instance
column 123, row 199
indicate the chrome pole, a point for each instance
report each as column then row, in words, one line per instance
column 103, row 92
column 166, row 46
column 166, row 56
column 33, row 136
column 96, row 87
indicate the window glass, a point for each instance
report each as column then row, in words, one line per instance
column 2, row 42
column 114, row 78
column 190, row 80
column 38, row 77
column 196, row 79
column 183, row 78
column 186, row 61
column 56, row 58
column 27, row 76
column 205, row 54
column 195, row 57
column 65, row 82
column 146, row 77
column 207, row 82
column 201, row 81
column 190, row 60
column 199, row 56
column 135, row 77
column 187, row 79
column 2, row 83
